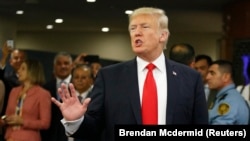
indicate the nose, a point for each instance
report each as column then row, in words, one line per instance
column 208, row 76
column 138, row 32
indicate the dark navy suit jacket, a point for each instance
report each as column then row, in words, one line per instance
column 56, row 131
column 116, row 99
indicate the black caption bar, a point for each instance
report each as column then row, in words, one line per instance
column 163, row 132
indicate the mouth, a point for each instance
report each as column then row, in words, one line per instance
column 138, row 42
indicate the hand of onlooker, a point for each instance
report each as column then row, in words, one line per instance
column 14, row 120
column 5, row 53
column 70, row 106
column 6, row 50
column 80, row 59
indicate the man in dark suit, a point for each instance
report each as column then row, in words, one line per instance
column 8, row 72
column 118, row 94
column 82, row 79
column 63, row 65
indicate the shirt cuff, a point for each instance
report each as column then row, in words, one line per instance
column 71, row 126
column 2, row 67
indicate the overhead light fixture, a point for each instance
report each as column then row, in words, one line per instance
column 59, row 21
column 19, row 12
column 90, row 0
column 105, row 29
column 49, row 26
column 128, row 12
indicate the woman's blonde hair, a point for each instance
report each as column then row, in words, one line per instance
column 35, row 71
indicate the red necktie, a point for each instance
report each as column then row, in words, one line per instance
column 149, row 98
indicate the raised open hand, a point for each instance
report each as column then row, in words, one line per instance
column 70, row 106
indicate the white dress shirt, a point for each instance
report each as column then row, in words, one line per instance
column 59, row 82
column 160, row 76
column 206, row 90
column 83, row 95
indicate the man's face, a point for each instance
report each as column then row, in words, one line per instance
column 82, row 80
column 16, row 59
column 202, row 67
column 63, row 67
column 215, row 77
column 145, row 35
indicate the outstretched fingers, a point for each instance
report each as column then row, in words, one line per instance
column 72, row 90
column 64, row 92
column 67, row 93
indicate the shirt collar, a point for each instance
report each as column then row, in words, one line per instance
column 66, row 80
column 225, row 89
column 83, row 94
column 159, row 63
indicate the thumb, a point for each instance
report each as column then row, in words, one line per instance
column 56, row 102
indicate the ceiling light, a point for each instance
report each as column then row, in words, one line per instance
column 59, row 20
column 49, row 27
column 19, row 12
column 128, row 12
column 90, row 0
column 105, row 29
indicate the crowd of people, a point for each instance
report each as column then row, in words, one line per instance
column 226, row 104
column 23, row 86
column 84, row 101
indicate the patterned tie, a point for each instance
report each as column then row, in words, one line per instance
column 80, row 98
column 149, row 98
column 58, row 86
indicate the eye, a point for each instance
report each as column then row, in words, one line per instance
column 132, row 28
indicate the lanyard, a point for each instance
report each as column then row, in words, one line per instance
column 19, row 106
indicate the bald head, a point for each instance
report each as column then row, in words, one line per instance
column 182, row 53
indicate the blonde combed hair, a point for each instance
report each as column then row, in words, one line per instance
column 158, row 13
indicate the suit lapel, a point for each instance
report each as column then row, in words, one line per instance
column 132, row 89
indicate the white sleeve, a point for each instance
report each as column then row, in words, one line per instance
column 71, row 126
column 2, row 67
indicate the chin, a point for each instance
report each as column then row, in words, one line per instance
column 138, row 50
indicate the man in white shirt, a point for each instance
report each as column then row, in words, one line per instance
column 82, row 79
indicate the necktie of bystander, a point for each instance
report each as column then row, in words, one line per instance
column 58, row 86
column 80, row 98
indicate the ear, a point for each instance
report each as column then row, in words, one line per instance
column 226, row 77
column 192, row 64
column 164, row 36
